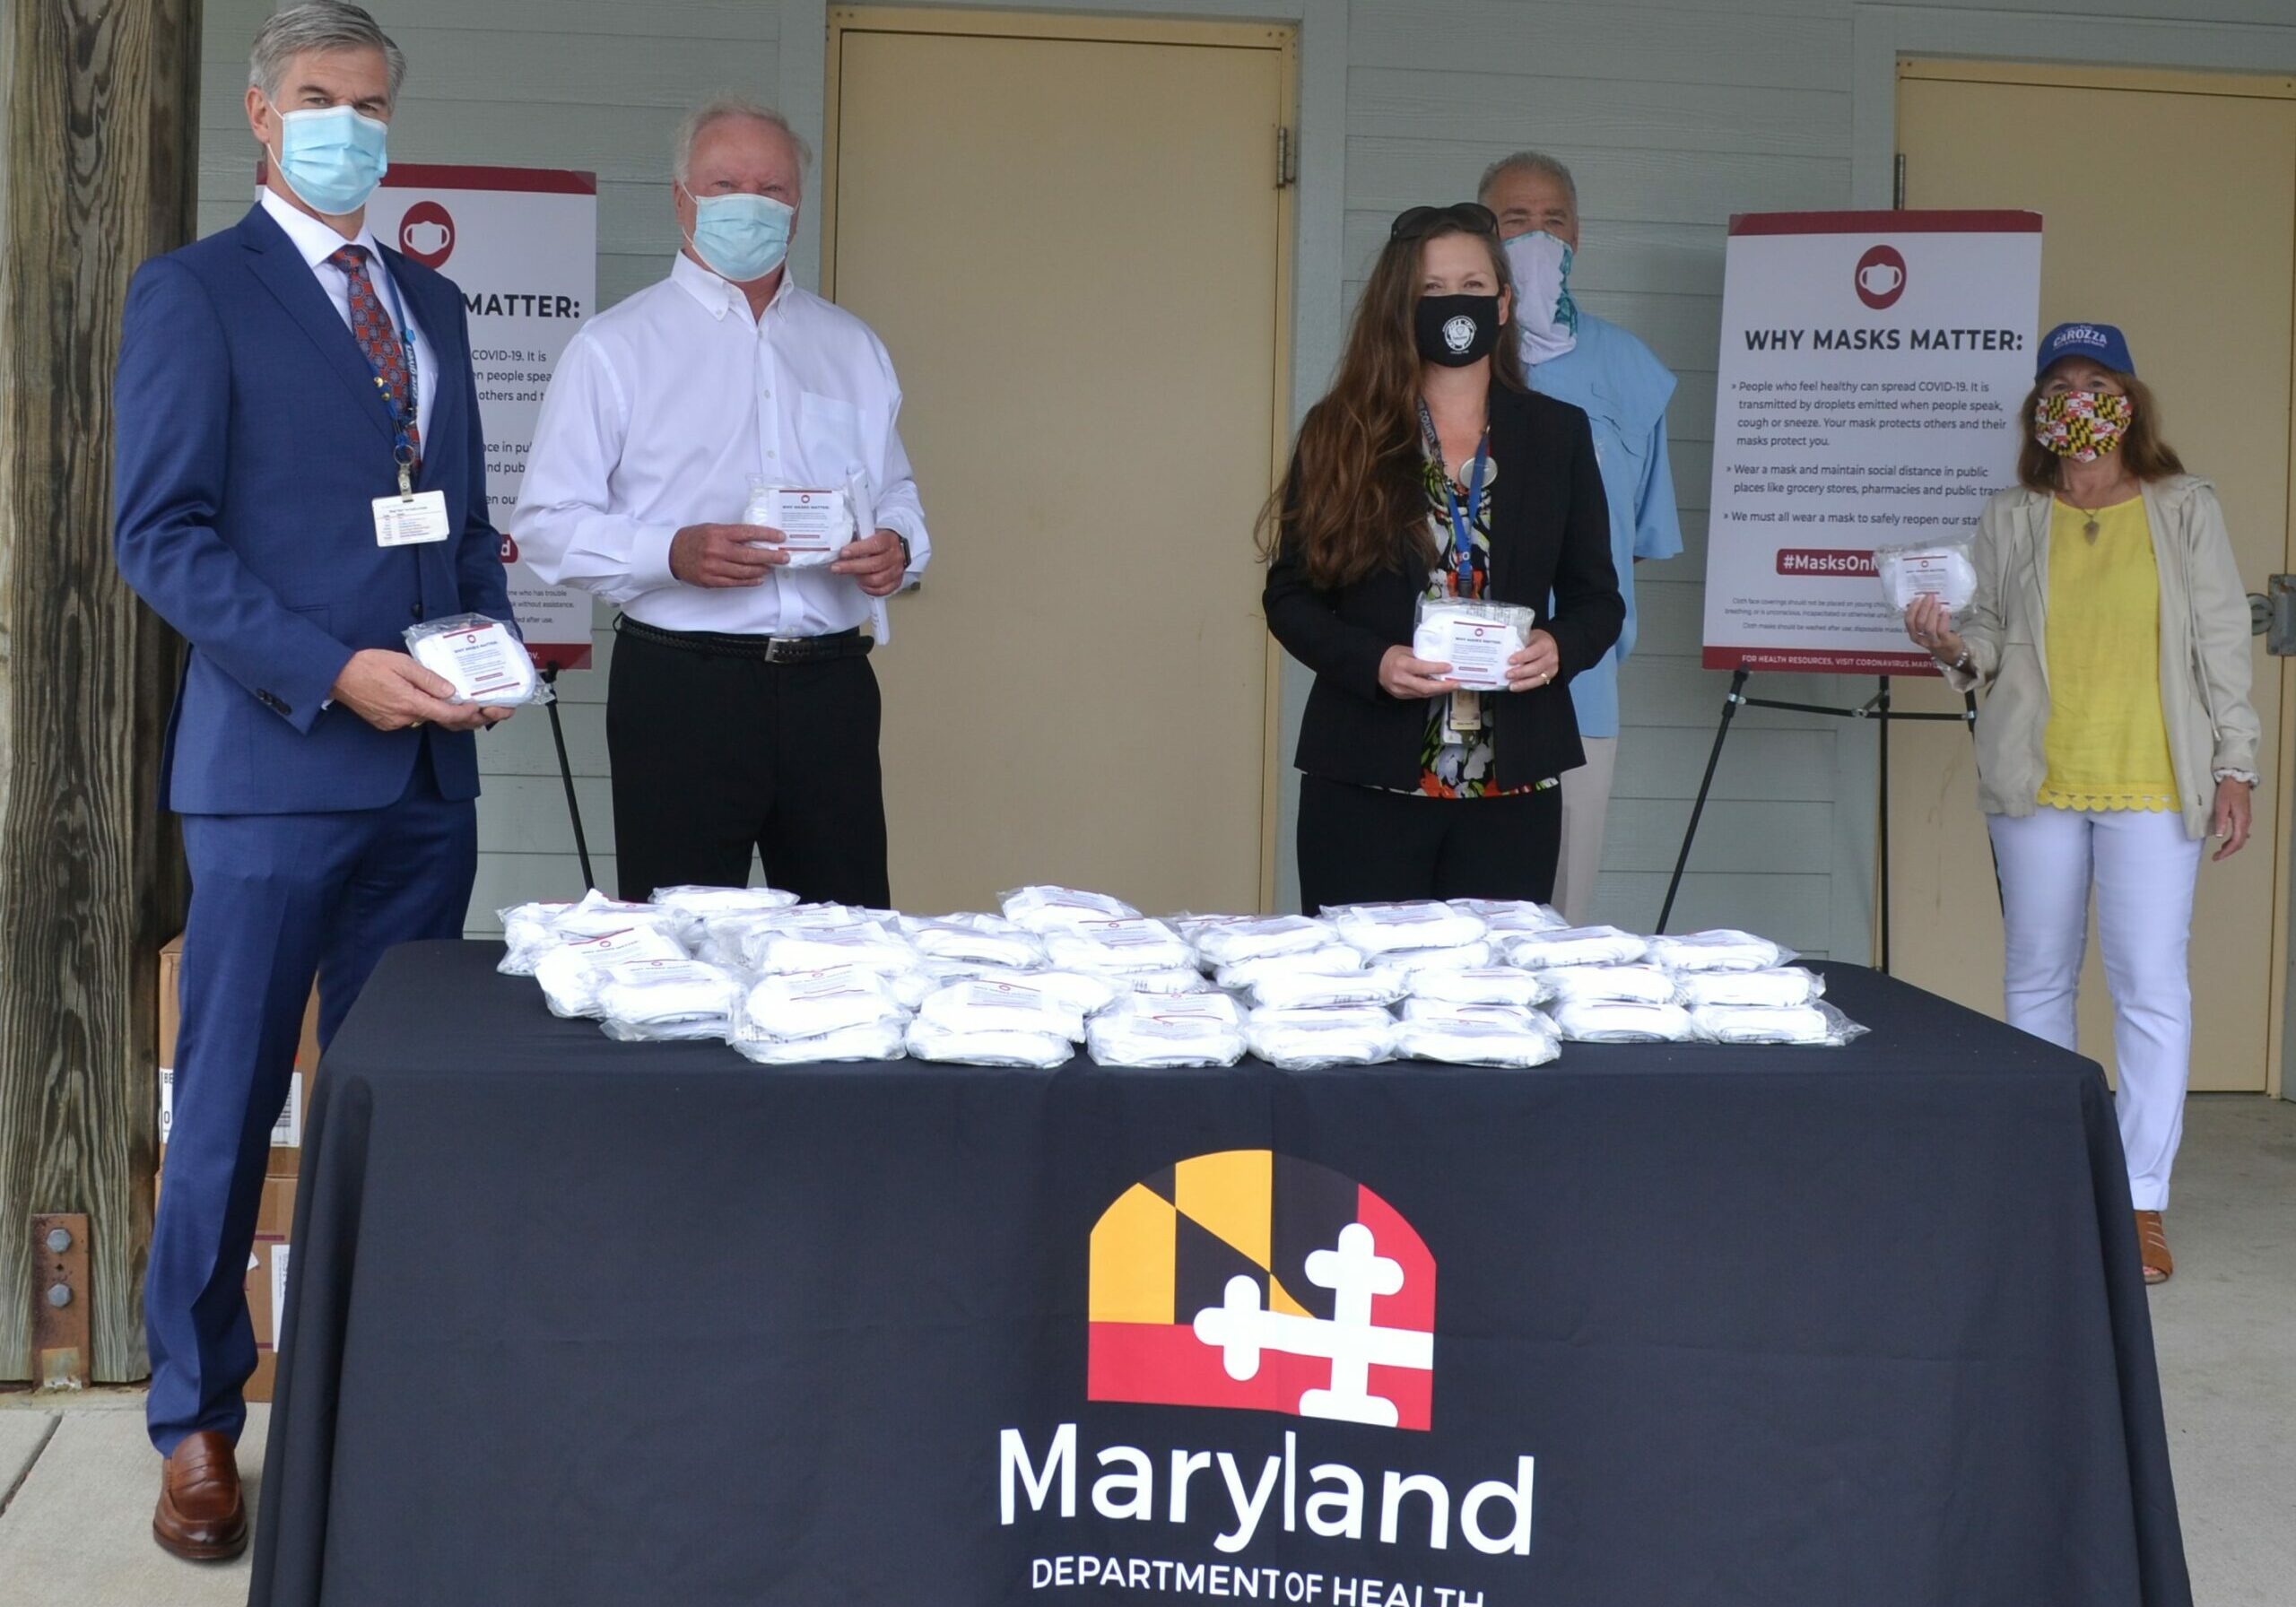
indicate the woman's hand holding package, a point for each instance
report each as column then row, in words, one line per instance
column 1535, row 666
column 1931, row 627
column 1406, row 677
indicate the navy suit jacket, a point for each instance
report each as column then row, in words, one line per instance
column 252, row 441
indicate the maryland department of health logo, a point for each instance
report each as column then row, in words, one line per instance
column 1250, row 1280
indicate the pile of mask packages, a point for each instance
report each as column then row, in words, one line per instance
column 1469, row 983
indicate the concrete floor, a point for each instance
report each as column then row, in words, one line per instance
column 77, row 1480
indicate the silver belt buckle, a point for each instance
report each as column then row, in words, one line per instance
column 774, row 646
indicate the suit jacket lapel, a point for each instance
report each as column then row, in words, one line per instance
column 274, row 260
column 1511, row 448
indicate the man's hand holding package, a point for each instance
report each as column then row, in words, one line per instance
column 876, row 563
column 726, row 555
column 390, row 691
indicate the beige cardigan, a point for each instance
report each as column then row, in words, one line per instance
column 2204, row 672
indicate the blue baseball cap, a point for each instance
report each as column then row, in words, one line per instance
column 2100, row 342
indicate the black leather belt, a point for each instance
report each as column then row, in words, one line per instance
column 768, row 649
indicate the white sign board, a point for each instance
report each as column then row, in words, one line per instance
column 522, row 244
column 1872, row 366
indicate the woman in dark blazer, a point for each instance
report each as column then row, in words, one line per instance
column 1433, row 471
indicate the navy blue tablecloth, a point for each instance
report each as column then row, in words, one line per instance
column 579, row 1322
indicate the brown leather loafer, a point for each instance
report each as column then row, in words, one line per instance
column 200, row 1516
column 2153, row 1242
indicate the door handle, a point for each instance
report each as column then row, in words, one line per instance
column 2272, row 615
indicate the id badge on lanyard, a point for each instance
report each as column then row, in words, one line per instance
column 409, row 519
column 1463, row 718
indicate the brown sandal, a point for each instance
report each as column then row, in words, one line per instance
column 2153, row 1242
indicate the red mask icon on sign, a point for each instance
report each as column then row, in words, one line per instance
column 1880, row 277
column 427, row 233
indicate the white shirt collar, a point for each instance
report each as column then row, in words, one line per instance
column 313, row 238
column 719, row 296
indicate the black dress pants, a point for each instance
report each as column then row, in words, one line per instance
column 1359, row 845
column 717, row 754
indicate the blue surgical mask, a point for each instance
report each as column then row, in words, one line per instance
column 332, row 157
column 741, row 237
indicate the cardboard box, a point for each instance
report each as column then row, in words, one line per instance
column 287, row 1137
column 265, row 1284
column 266, row 1281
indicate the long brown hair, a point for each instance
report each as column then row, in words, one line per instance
column 1355, row 501
column 2147, row 456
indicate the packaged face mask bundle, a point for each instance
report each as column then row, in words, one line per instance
column 1941, row 569
column 1045, row 909
column 818, row 948
column 810, row 1003
column 879, row 1041
column 1475, row 638
column 982, row 939
column 1184, row 979
column 816, row 521
column 1308, row 1039
column 1776, row 989
column 1623, row 1022
column 1118, row 945
column 1378, row 929
column 1172, row 1030
column 1307, row 990
column 1040, row 1051
column 694, row 907
column 571, row 974
column 1469, row 1042
column 1483, row 984
column 1577, row 984
column 1574, row 945
column 1489, row 1015
column 1508, row 917
column 1722, row 949
column 1246, row 975
column 973, row 1007
column 1085, row 993
column 1414, row 962
column 1231, row 941
column 482, row 659
column 1809, row 1024
column 653, row 1000
column 529, row 930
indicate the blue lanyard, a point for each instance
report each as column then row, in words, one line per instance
column 1463, row 519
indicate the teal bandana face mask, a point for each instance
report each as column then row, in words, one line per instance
column 741, row 237
column 332, row 157
column 1540, row 264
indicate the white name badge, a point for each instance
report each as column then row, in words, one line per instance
column 409, row 521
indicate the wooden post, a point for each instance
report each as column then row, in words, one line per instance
column 98, row 148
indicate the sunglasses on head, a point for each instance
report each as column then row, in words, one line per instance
column 1419, row 220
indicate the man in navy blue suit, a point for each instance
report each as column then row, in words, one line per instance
column 301, row 477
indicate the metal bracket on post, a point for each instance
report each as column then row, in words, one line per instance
column 62, row 1329
column 2272, row 615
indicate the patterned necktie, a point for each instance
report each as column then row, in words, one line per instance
column 379, row 338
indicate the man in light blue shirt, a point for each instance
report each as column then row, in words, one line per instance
column 1598, row 367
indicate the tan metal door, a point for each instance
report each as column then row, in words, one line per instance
column 2169, row 207
column 1070, row 234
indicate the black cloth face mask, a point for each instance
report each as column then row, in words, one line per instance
column 1457, row 330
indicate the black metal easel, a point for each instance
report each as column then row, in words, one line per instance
column 566, row 774
column 1876, row 707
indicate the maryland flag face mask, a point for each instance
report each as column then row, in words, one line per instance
column 2081, row 425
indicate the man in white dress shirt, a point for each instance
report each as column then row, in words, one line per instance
column 741, row 712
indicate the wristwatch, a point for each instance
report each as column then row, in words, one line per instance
column 904, row 550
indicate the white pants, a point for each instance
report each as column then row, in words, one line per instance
column 1585, row 802
column 2144, row 868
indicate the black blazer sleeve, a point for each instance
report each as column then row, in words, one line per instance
column 1307, row 621
column 1588, row 611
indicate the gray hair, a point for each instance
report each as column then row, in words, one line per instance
column 717, row 109
column 317, row 25
column 1530, row 161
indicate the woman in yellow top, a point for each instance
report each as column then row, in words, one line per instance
column 2111, row 626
